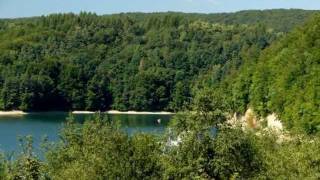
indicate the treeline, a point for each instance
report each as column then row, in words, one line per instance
column 280, row 20
column 125, row 61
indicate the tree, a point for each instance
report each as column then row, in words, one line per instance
column 98, row 95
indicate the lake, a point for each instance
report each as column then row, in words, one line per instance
column 40, row 125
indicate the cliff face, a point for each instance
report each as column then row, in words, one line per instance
column 252, row 121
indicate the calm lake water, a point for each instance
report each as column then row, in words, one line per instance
column 41, row 125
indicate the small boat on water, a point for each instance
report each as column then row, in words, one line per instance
column 158, row 121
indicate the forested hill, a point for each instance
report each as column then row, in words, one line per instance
column 281, row 20
column 127, row 61
column 285, row 79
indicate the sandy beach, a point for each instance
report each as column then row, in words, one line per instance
column 124, row 112
column 19, row 113
column 83, row 112
column 12, row 113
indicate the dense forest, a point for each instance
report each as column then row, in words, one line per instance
column 207, row 66
column 160, row 61
column 126, row 61
column 284, row 79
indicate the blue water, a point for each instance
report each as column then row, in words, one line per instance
column 40, row 125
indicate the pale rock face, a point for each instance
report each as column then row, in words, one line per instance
column 274, row 122
column 250, row 118
column 173, row 142
column 247, row 120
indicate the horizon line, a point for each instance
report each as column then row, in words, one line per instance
column 155, row 12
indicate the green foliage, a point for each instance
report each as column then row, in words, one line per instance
column 284, row 80
column 209, row 109
column 166, row 61
column 25, row 166
column 3, row 167
column 128, row 61
column 237, row 154
column 145, row 157
column 98, row 149
column 190, row 159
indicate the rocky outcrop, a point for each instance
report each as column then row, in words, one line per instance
column 251, row 120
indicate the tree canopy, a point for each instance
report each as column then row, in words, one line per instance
column 128, row 61
column 284, row 79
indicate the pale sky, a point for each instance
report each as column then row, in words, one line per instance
column 27, row 8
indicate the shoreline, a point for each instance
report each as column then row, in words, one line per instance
column 125, row 112
column 20, row 113
column 12, row 113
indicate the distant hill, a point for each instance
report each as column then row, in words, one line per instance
column 282, row 20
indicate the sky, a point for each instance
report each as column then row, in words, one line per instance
column 27, row 8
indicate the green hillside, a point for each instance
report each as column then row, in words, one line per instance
column 127, row 61
column 287, row 78
column 282, row 20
